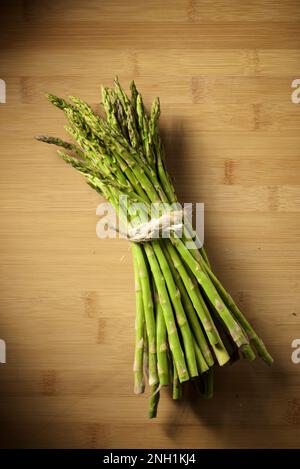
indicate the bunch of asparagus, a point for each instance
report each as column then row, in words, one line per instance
column 186, row 322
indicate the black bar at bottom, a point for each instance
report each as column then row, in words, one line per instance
column 144, row 457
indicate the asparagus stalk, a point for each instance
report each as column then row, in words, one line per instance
column 139, row 384
column 149, row 313
column 161, row 343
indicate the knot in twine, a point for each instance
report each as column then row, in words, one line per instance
column 168, row 222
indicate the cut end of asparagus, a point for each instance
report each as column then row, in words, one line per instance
column 177, row 391
column 222, row 355
column 154, row 400
column 262, row 351
column 248, row 352
column 139, row 388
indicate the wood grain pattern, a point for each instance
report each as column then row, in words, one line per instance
column 223, row 70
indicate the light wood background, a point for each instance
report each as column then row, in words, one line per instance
column 223, row 70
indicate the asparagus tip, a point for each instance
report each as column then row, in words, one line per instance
column 40, row 138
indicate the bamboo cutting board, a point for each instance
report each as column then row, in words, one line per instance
column 223, row 70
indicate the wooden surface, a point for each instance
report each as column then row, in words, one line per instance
column 223, row 70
